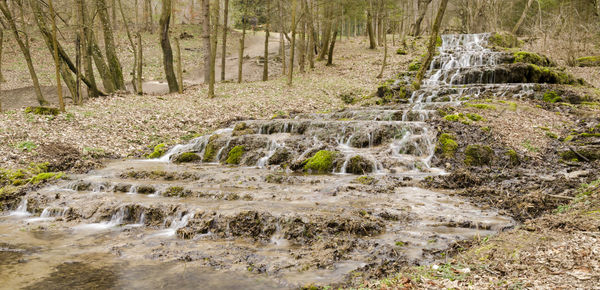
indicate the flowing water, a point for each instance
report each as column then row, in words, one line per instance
column 262, row 224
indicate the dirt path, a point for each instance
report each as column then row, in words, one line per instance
column 22, row 97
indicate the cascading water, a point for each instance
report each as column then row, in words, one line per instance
column 258, row 215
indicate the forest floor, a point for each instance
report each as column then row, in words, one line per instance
column 557, row 247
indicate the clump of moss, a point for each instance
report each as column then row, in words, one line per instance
column 366, row 180
column 537, row 74
column 159, row 150
column 241, row 129
column 504, row 39
column 177, row 191
column 41, row 177
column 463, row 118
column 401, row 51
column 482, row 106
column 42, row 111
column 551, row 135
column 186, row 157
column 26, row 146
column 588, row 61
column 447, row 146
column 532, row 58
column 235, row 155
column 414, row 66
column 478, row 155
column 513, row 157
column 211, row 150
column 321, row 162
column 551, row 97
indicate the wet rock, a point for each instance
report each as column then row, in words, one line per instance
column 359, row 165
column 321, row 162
column 235, row 155
column 241, row 129
column 145, row 189
column 186, row 157
column 581, row 153
column 122, row 187
column 282, row 155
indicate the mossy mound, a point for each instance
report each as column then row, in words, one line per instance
column 241, row 129
column 588, row 61
column 478, row 155
column 211, row 150
column 45, row 176
column 321, row 162
column 513, row 157
column 589, row 152
column 359, row 165
column 235, row 155
column 532, row 58
column 551, row 97
column 504, row 39
column 42, row 111
column 391, row 93
column 537, row 74
column 463, row 118
column 177, row 191
column 186, row 157
column 401, row 51
column 447, row 146
column 414, row 66
column 159, row 150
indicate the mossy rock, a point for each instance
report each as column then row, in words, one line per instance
column 186, row 157
column 478, row 155
column 235, row 155
column 159, row 150
column 551, row 97
column 537, row 74
column 211, row 149
column 365, row 180
column 281, row 155
column 588, row 61
column 590, row 152
column 42, row 111
column 41, row 177
column 321, row 162
column 359, row 165
column 513, row 157
column 145, row 189
column 532, row 58
column 177, row 191
column 504, row 39
column 241, row 129
column 447, row 146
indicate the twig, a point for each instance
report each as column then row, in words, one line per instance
column 578, row 155
column 560, row 196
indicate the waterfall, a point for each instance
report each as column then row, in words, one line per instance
column 21, row 211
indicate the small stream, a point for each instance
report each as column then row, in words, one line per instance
column 265, row 223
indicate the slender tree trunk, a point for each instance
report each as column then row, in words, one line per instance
column 241, row 54
column 113, row 11
column 134, row 81
column 431, row 46
column 140, row 63
column 370, row 32
column 293, row 47
column 206, row 38
column 61, row 101
column 281, row 38
column 86, row 43
column 224, row 44
column 213, row 54
column 24, row 49
column 311, row 36
column 332, row 45
column 302, row 43
column 114, row 65
column 78, row 96
column 422, row 11
column 385, row 53
column 522, row 18
column 102, row 67
column 267, row 34
column 326, row 33
column 2, row 80
column 179, row 66
column 165, row 44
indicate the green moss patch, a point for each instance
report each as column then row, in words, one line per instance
column 159, row 150
column 45, row 176
column 446, row 145
column 42, row 111
column 414, row 66
column 401, row 51
column 532, row 58
column 235, row 155
column 551, row 97
column 463, row 118
column 321, row 162
column 478, row 155
column 588, row 61
column 481, row 106
column 241, row 129
column 504, row 39
column 513, row 157
column 359, row 165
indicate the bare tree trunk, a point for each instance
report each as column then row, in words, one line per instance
column 114, row 65
column 431, row 47
column 332, row 45
column 422, row 10
column 224, row 44
column 385, row 53
column 140, row 63
column 302, row 42
column 179, row 66
column 522, row 18
column 326, row 33
column 61, row 102
column 24, row 49
column 372, row 44
column 213, row 54
column 267, row 34
column 241, row 53
column 86, row 43
column 78, row 98
column 206, row 38
column 133, row 48
column 165, row 44
column 113, row 11
column 102, row 66
column 281, row 38
column 2, row 80
column 293, row 47
column 311, row 37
